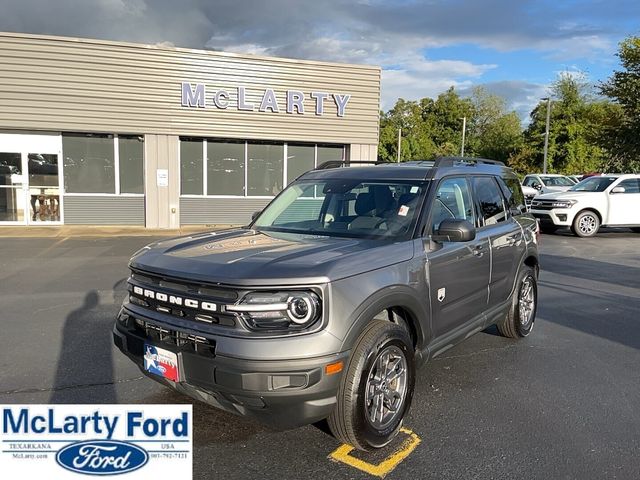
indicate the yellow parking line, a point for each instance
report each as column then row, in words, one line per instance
column 341, row 454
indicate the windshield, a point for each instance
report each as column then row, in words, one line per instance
column 346, row 208
column 593, row 184
column 557, row 181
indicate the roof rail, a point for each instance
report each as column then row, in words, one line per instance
column 451, row 161
column 344, row 163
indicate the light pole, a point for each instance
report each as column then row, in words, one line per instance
column 464, row 130
column 546, row 135
column 399, row 143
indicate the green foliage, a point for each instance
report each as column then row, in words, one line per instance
column 587, row 133
column 432, row 128
column 621, row 133
column 573, row 147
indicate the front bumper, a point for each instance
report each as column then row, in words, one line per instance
column 561, row 217
column 280, row 393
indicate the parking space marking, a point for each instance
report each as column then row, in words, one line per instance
column 341, row 454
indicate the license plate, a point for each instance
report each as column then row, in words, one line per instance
column 161, row 362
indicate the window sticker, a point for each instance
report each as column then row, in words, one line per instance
column 404, row 210
column 414, row 189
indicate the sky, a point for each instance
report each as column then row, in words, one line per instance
column 513, row 48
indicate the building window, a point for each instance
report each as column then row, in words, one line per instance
column 300, row 159
column 265, row 169
column 191, row 167
column 243, row 168
column 131, row 158
column 93, row 163
column 225, row 168
column 328, row 153
column 89, row 163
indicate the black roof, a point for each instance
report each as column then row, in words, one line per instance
column 411, row 170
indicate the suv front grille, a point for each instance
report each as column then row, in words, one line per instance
column 160, row 335
column 542, row 204
column 201, row 304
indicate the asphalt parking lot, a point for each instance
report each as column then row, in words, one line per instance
column 563, row 403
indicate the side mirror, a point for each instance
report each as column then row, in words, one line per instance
column 255, row 215
column 455, row 230
column 618, row 190
column 537, row 186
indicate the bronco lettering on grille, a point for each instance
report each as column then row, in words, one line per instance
column 175, row 300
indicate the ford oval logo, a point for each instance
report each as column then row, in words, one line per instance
column 102, row 457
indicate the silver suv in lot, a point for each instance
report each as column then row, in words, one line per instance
column 324, row 306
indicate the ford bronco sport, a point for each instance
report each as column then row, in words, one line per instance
column 323, row 307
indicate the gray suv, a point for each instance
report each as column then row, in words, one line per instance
column 324, row 306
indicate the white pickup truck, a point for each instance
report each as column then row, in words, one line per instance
column 608, row 200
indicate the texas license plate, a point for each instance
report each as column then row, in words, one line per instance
column 161, row 362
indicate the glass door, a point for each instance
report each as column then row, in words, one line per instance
column 30, row 179
column 12, row 201
column 43, row 188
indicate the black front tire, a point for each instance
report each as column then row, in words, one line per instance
column 635, row 229
column 515, row 324
column 548, row 228
column 350, row 421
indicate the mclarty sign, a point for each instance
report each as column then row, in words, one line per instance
column 62, row 441
column 197, row 95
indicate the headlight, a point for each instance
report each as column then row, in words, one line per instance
column 278, row 310
column 564, row 204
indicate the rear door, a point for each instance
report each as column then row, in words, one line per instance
column 458, row 271
column 503, row 233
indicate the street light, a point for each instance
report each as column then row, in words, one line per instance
column 546, row 135
column 464, row 129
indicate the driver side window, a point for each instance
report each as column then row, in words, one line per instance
column 453, row 200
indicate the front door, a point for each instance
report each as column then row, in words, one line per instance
column 458, row 271
column 624, row 208
column 30, row 179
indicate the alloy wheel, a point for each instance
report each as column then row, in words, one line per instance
column 386, row 388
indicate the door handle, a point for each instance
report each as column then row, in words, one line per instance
column 513, row 239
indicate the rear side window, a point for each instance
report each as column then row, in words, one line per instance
column 490, row 201
column 512, row 193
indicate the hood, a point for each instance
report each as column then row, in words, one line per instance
column 555, row 188
column 248, row 257
column 565, row 195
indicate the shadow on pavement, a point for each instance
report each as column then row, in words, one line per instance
column 85, row 358
column 590, row 269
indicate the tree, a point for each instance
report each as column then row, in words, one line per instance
column 621, row 135
column 573, row 147
column 493, row 132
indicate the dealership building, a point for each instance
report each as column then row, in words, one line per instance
column 97, row 132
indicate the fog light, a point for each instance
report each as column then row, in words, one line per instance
column 562, row 217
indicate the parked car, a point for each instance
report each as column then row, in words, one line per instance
column 575, row 178
column 327, row 302
column 608, row 200
column 529, row 194
column 547, row 183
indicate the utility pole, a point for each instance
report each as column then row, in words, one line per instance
column 464, row 130
column 546, row 135
column 399, row 143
